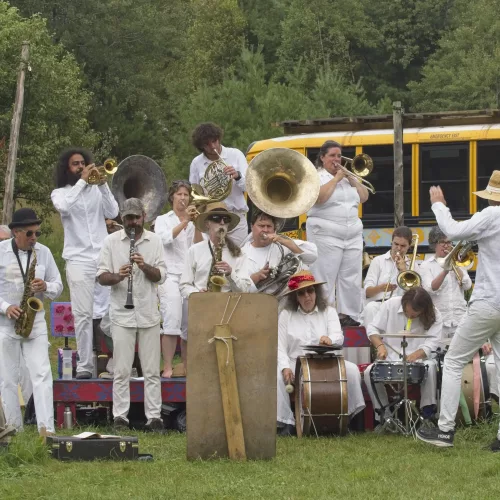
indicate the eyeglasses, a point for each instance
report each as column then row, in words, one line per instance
column 309, row 290
column 225, row 219
column 77, row 162
column 30, row 233
column 445, row 243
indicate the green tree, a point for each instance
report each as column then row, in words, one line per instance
column 55, row 109
column 464, row 73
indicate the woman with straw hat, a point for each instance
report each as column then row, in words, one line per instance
column 482, row 320
column 308, row 319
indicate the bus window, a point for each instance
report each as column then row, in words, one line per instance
column 446, row 165
column 488, row 153
column 381, row 205
column 312, row 153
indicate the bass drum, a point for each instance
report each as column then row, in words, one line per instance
column 321, row 395
column 482, row 395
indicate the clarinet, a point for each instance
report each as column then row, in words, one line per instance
column 129, row 304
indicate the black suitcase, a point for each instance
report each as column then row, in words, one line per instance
column 68, row 448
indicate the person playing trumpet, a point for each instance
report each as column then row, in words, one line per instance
column 206, row 138
column 178, row 234
column 380, row 282
column 446, row 289
column 83, row 209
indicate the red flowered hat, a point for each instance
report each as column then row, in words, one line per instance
column 302, row 279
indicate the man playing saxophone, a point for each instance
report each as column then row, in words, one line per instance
column 28, row 273
column 203, row 263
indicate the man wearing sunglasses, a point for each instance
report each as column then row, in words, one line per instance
column 16, row 257
column 206, row 138
column 84, row 209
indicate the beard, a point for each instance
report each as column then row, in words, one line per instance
column 73, row 178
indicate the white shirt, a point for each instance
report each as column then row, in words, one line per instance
column 175, row 248
column 449, row 297
column 84, row 208
column 199, row 263
column 297, row 328
column 259, row 256
column 483, row 227
column 342, row 206
column 235, row 202
column 392, row 319
column 114, row 254
column 382, row 270
column 12, row 285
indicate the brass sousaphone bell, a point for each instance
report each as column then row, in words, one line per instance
column 282, row 182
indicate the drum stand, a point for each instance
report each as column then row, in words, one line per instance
column 392, row 423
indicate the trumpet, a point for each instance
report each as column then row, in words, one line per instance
column 410, row 279
column 361, row 166
column 97, row 175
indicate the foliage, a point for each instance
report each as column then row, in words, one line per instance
column 464, row 73
column 55, row 107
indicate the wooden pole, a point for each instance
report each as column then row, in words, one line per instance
column 229, row 392
column 397, row 118
column 10, row 173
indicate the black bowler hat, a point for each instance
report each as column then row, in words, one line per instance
column 24, row 217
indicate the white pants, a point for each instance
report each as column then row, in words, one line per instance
column 86, row 294
column 24, row 380
column 355, row 400
column 240, row 232
column 340, row 253
column 480, row 323
column 124, row 340
column 428, row 388
column 492, row 375
column 36, row 356
column 173, row 308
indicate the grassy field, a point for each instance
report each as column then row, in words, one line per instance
column 357, row 466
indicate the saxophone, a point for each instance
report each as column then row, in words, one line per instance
column 215, row 279
column 29, row 304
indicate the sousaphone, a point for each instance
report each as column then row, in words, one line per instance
column 141, row 177
column 282, row 182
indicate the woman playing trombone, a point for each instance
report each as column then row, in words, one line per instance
column 334, row 226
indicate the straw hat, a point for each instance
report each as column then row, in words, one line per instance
column 302, row 279
column 216, row 209
column 492, row 191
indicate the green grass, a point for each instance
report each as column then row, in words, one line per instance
column 358, row 466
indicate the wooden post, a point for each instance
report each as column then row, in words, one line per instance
column 229, row 391
column 10, row 173
column 398, row 164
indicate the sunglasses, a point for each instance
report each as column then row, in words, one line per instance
column 226, row 219
column 78, row 162
column 309, row 290
column 30, row 233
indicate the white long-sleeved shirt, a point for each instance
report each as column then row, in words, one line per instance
column 392, row 319
column 483, row 227
column 176, row 249
column 297, row 328
column 383, row 270
column 449, row 297
column 114, row 254
column 199, row 263
column 235, row 202
column 257, row 257
column 12, row 285
column 342, row 206
column 83, row 210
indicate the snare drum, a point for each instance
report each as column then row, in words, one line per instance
column 321, row 395
column 392, row 371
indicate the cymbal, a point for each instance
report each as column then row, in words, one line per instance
column 406, row 335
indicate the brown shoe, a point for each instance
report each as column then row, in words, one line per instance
column 179, row 371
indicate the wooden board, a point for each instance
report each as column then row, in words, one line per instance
column 255, row 325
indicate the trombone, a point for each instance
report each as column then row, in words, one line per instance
column 461, row 256
column 410, row 279
column 361, row 166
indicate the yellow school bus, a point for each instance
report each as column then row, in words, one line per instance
column 456, row 150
